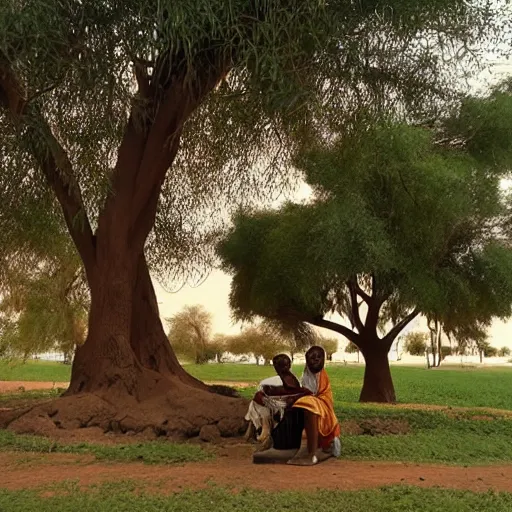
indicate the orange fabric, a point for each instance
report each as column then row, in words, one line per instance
column 322, row 404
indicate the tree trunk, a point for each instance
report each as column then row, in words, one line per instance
column 439, row 346
column 126, row 338
column 378, row 383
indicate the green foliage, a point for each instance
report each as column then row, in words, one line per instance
column 126, row 496
column 416, row 343
column 258, row 341
column 400, row 214
column 154, row 452
column 351, row 348
column 330, row 345
column 488, row 350
column 43, row 295
column 292, row 69
column 504, row 352
column 445, row 352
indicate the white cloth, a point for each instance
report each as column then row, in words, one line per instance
column 310, row 380
column 260, row 414
column 270, row 381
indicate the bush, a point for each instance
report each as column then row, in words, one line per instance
column 416, row 343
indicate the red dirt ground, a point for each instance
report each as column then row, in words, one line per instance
column 15, row 385
column 21, row 471
column 12, row 386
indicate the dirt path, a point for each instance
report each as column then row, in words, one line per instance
column 21, row 471
column 11, row 386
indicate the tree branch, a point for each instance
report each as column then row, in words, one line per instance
column 395, row 331
column 178, row 102
column 352, row 287
column 53, row 161
column 374, row 306
column 361, row 292
column 333, row 326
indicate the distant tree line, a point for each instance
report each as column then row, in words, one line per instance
column 192, row 338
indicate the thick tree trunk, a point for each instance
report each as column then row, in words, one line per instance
column 126, row 339
column 377, row 384
column 148, row 339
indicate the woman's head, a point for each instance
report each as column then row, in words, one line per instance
column 315, row 358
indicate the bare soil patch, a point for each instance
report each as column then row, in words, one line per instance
column 238, row 472
column 12, row 386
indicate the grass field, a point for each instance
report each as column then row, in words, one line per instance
column 126, row 497
column 151, row 452
column 464, row 387
column 35, row 371
column 471, row 387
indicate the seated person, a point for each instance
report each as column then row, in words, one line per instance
column 321, row 425
column 271, row 399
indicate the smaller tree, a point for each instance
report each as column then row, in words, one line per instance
column 489, row 350
column 259, row 341
column 218, row 347
column 190, row 334
column 352, row 348
column 330, row 345
column 416, row 343
column 504, row 352
column 445, row 352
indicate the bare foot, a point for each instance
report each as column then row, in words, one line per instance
column 265, row 445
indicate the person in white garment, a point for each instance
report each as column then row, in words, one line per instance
column 271, row 399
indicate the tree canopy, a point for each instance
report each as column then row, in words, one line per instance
column 73, row 72
column 43, row 295
column 405, row 220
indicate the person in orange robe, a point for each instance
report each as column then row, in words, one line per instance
column 321, row 425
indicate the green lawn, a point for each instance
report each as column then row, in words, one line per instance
column 470, row 387
column 150, row 452
column 124, row 497
column 434, row 436
column 42, row 371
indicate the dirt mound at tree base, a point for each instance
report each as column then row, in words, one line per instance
column 180, row 413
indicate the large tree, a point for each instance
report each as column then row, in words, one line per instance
column 99, row 100
column 406, row 220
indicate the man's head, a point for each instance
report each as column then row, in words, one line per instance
column 282, row 363
column 315, row 358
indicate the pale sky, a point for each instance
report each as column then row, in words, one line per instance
column 213, row 293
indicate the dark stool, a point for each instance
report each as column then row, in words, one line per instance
column 287, row 434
